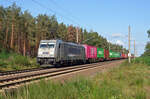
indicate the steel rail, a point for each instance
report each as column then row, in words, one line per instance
column 8, row 82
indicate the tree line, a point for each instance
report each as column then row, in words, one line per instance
column 21, row 32
column 147, row 47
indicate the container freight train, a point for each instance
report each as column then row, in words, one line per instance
column 58, row 52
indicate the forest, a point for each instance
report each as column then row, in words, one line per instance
column 147, row 47
column 20, row 32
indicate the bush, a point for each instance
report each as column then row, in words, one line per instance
column 34, row 62
column 4, row 54
column 2, row 64
column 13, row 61
column 20, row 60
column 142, row 60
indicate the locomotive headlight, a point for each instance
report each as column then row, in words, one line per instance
column 40, row 54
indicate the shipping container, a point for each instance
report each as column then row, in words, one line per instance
column 100, row 53
column 123, row 55
column 126, row 55
column 106, row 54
column 91, row 52
column 114, row 55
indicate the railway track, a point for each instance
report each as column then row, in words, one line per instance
column 3, row 73
column 10, row 81
column 19, row 71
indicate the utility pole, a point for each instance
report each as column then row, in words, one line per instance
column 77, row 34
column 129, row 54
column 134, row 50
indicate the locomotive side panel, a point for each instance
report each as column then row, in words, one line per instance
column 71, row 52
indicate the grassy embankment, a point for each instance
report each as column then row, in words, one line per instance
column 13, row 61
column 129, row 81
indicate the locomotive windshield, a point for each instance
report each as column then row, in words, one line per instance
column 50, row 45
column 47, row 45
column 43, row 45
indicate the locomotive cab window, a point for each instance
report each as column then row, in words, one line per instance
column 43, row 45
column 51, row 45
column 47, row 45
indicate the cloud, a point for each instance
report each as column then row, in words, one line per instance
column 119, row 42
column 117, row 35
column 113, row 41
column 109, row 41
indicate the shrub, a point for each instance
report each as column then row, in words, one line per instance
column 142, row 60
column 20, row 60
column 2, row 64
column 33, row 62
column 4, row 54
column 12, row 61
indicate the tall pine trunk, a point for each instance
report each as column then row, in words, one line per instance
column 12, row 36
column 18, row 41
column 24, row 47
column 6, row 37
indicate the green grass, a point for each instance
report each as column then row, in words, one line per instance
column 129, row 81
column 14, row 61
column 142, row 60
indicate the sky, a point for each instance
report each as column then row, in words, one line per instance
column 110, row 18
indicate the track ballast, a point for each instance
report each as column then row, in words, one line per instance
column 10, row 81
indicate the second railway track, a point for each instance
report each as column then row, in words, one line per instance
column 10, row 81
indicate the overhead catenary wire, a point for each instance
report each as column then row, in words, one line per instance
column 56, row 13
column 60, row 14
column 69, row 13
column 69, row 17
column 63, row 9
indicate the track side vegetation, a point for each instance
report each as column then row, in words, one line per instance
column 142, row 60
column 13, row 61
column 128, row 81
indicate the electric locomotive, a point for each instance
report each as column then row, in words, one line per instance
column 57, row 52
